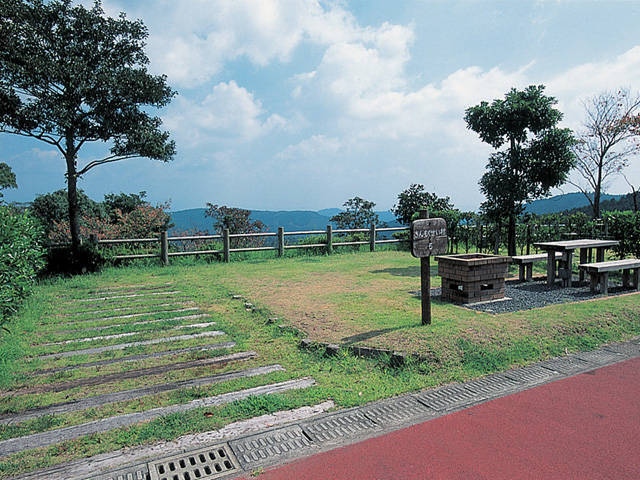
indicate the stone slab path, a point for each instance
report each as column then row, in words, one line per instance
column 83, row 361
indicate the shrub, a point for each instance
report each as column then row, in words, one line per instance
column 61, row 260
column 625, row 227
column 21, row 258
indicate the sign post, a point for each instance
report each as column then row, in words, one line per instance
column 428, row 237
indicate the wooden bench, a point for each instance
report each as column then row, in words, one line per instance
column 599, row 273
column 525, row 262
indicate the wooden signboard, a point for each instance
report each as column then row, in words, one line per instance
column 428, row 237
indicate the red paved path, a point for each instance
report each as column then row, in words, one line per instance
column 582, row 427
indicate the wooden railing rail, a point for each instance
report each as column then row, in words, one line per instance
column 332, row 238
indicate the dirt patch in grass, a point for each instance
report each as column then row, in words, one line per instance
column 370, row 299
column 306, row 303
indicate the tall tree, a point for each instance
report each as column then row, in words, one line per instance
column 537, row 155
column 359, row 213
column 71, row 76
column 411, row 200
column 237, row 221
column 607, row 142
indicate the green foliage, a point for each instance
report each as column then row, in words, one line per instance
column 414, row 198
column 21, row 257
column 123, row 203
column 237, row 221
column 359, row 214
column 7, row 178
column 625, row 227
column 71, row 76
column 119, row 216
column 537, row 156
column 53, row 208
column 86, row 258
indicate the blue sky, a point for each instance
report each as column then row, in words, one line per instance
column 303, row 104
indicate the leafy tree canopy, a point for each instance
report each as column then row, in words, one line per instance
column 70, row 76
column 51, row 208
column 124, row 202
column 414, row 198
column 236, row 220
column 7, row 178
column 537, row 156
column 359, row 213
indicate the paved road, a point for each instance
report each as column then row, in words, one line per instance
column 581, row 427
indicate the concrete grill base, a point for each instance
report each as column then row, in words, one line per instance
column 472, row 278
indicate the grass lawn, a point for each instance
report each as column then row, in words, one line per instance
column 366, row 299
column 370, row 299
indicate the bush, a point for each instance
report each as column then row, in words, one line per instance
column 625, row 227
column 21, row 258
column 61, row 260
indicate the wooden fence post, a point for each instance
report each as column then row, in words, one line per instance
column 280, row 241
column 164, row 247
column 226, row 245
column 329, row 239
column 372, row 237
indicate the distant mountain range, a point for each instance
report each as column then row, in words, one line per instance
column 194, row 220
column 567, row 202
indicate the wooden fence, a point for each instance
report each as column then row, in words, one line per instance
column 332, row 239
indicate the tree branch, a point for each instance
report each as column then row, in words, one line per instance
column 111, row 159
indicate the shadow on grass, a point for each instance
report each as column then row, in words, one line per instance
column 413, row 271
column 373, row 333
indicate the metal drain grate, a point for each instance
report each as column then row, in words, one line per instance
column 492, row 386
column 448, row 397
column 566, row 365
column 631, row 349
column 397, row 411
column 600, row 357
column 208, row 463
column 336, row 427
column 269, row 447
column 138, row 472
column 531, row 375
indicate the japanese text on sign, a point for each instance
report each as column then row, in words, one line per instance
column 428, row 237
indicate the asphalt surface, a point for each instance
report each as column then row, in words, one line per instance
column 585, row 426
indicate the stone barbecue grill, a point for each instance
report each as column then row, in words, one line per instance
column 472, row 278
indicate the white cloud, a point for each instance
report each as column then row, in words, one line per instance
column 192, row 40
column 313, row 147
column 229, row 113
column 583, row 81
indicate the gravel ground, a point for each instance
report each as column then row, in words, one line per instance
column 536, row 294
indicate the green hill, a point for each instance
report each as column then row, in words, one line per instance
column 194, row 221
column 566, row 202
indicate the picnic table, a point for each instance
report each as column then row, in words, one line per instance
column 567, row 248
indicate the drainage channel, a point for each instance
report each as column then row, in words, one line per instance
column 279, row 445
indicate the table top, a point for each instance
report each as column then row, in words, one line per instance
column 563, row 245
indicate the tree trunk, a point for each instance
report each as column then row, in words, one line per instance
column 511, row 235
column 598, row 191
column 72, row 197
